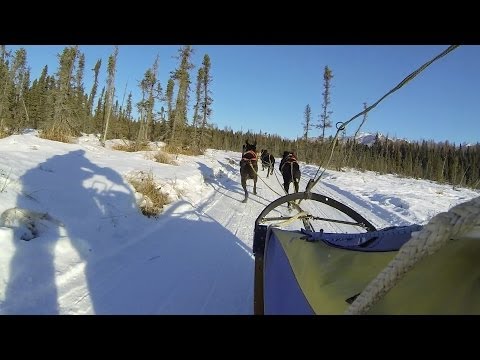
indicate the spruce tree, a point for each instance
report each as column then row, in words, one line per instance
column 325, row 121
column 79, row 105
column 169, row 98
column 20, row 76
column 306, row 125
column 182, row 76
column 196, row 116
column 128, row 107
column 205, row 109
column 6, row 83
column 306, row 128
column 93, row 92
column 153, row 92
column 62, row 110
column 99, row 115
column 111, row 69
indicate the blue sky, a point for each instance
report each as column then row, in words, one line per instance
column 266, row 87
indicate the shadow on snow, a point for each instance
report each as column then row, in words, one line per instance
column 181, row 263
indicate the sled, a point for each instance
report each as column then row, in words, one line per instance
column 312, row 272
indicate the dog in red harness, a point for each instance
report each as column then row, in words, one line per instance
column 290, row 170
column 249, row 167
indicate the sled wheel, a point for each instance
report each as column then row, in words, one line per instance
column 261, row 232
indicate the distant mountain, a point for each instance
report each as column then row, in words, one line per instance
column 367, row 138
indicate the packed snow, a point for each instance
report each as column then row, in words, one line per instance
column 73, row 240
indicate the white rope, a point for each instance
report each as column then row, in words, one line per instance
column 456, row 223
column 292, row 219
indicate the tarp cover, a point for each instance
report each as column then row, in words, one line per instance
column 302, row 277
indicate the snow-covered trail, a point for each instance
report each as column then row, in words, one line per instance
column 216, row 234
column 240, row 217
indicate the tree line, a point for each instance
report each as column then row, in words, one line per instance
column 59, row 106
